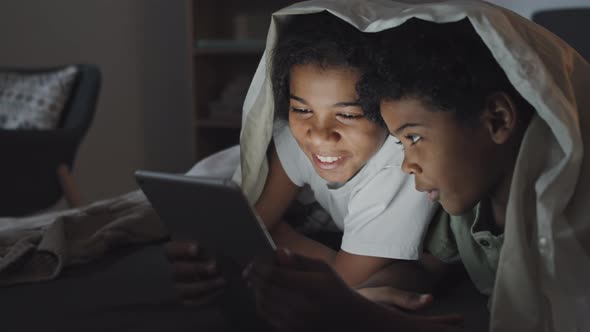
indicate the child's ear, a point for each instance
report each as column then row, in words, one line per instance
column 500, row 117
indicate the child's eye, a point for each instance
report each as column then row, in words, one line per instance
column 350, row 116
column 414, row 138
column 300, row 110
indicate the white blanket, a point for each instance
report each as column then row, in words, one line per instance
column 31, row 254
column 38, row 248
column 544, row 270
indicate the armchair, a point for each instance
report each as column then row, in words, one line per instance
column 36, row 164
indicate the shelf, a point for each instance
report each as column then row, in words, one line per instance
column 228, row 46
column 227, row 40
column 219, row 123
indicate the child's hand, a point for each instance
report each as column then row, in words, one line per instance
column 298, row 293
column 407, row 300
column 396, row 297
column 196, row 276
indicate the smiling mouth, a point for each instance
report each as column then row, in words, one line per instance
column 327, row 159
column 327, row 162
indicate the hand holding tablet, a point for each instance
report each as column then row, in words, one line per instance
column 214, row 217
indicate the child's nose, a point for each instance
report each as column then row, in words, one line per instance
column 320, row 133
column 410, row 167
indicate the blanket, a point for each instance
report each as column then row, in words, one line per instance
column 38, row 248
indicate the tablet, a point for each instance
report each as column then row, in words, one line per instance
column 215, row 213
column 212, row 211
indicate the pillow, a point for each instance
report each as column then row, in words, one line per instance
column 34, row 100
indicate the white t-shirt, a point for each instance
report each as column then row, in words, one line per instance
column 379, row 210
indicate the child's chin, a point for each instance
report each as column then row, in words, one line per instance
column 335, row 178
column 454, row 209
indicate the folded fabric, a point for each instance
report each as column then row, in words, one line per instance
column 76, row 236
column 38, row 248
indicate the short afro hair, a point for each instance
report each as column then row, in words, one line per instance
column 447, row 66
column 320, row 39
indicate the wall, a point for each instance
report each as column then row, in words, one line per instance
column 144, row 117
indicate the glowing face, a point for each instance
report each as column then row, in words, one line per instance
column 328, row 123
column 452, row 163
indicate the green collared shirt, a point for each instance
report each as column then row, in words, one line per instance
column 469, row 239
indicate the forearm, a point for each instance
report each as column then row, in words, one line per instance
column 286, row 237
column 353, row 269
column 401, row 274
column 278, row 193
column 419, row 276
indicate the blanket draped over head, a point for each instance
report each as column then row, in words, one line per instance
column 543, row 277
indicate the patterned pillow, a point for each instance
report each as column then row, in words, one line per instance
column 34, row 100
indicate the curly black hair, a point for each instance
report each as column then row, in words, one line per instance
column 446, row 66
column 320, row 39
